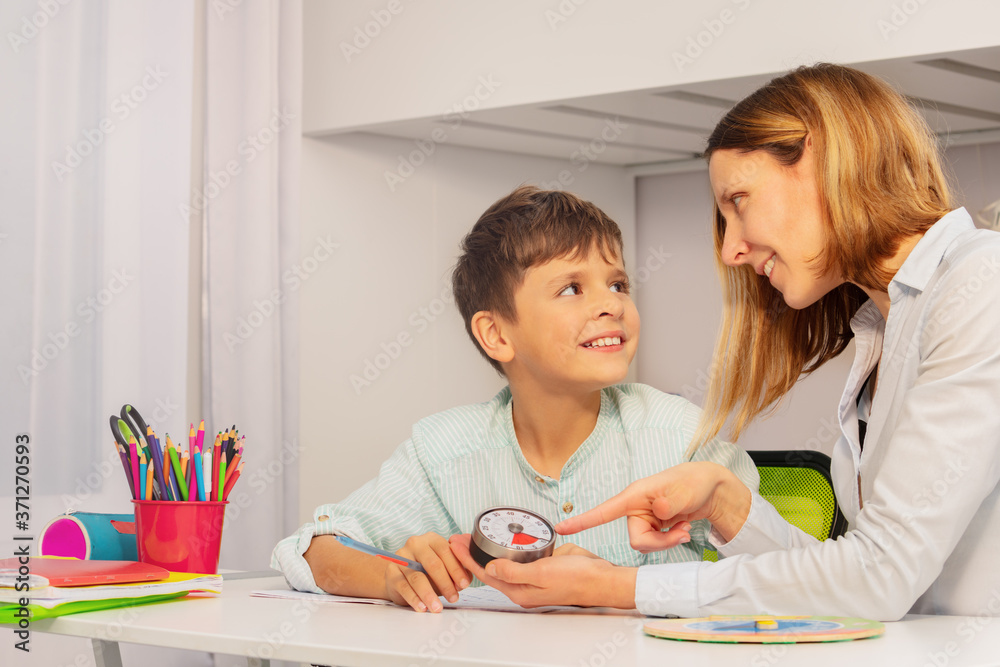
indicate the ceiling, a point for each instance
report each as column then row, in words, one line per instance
column 958, row 93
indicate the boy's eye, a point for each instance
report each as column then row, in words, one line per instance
column 570, row 290
column 620, row 286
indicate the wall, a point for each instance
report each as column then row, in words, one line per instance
column 389, row 279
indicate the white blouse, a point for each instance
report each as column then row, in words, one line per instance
column 925, row 530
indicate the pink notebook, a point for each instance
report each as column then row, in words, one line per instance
column 73, row 572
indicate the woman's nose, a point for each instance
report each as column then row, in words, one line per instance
column 735, row 250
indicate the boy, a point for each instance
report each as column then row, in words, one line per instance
column 543, row 292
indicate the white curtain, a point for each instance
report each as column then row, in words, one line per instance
column 249, row 208
column 95, row 155
column 144, row 142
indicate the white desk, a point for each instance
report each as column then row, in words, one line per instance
column 349, row 635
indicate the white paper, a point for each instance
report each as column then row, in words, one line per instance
column 484, row 597
column 284, row 593
column 491, row 599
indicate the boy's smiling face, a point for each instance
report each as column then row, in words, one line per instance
column 577, row 327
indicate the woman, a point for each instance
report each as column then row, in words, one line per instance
column 833, row 221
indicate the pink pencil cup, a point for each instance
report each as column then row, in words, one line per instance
column 180, row 536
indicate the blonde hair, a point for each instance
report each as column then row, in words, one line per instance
column 880, row 180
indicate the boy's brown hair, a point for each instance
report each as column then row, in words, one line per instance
column 526, row 228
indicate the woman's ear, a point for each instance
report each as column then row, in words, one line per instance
column 489, row 331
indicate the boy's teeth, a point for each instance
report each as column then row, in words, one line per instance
column 768, row 267
column 601, row 342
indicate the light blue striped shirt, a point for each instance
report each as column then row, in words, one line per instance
column 464, row 460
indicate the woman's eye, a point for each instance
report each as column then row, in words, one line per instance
column 736, row 200
column 570, row 290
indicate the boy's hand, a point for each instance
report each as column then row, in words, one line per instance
column 445, row 575
column 577, row 578
column 570, row 549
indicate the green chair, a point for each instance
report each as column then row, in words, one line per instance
column 798, row 484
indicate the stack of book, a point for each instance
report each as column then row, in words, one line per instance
column 51, row 586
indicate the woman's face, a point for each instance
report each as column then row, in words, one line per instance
column 774, row 221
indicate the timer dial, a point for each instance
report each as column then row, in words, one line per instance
column 511, row 532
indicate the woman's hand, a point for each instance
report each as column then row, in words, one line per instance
column 671, row 500
column 445, row 575
column 573, row 576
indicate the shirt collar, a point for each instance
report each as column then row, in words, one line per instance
column 926, row 256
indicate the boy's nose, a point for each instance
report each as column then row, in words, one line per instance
column 610, row 306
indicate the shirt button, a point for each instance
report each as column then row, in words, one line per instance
column 539, row 479
column 568, row 507
column 323, row 517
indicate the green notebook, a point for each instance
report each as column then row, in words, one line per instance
column 37, row 612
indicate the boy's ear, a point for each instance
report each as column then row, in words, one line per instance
column 488, row 330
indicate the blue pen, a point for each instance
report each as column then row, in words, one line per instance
column 388, row 555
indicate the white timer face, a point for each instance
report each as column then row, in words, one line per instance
column 515, row 529
column 511, row 532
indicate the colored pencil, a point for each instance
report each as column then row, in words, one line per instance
column 149, row 482
column 178, row 471
column 190, row 466
column 157, row 455
column 233, row 442
column 232, row 481
column 141, row 479
column 221, row 482
column 232, row 465
column 216, row 455
column 194, row 468
column 206, row 459
column 200, row 440
column 199, row 474
column 134, row 462
column 171, row 478
column 123, row 455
